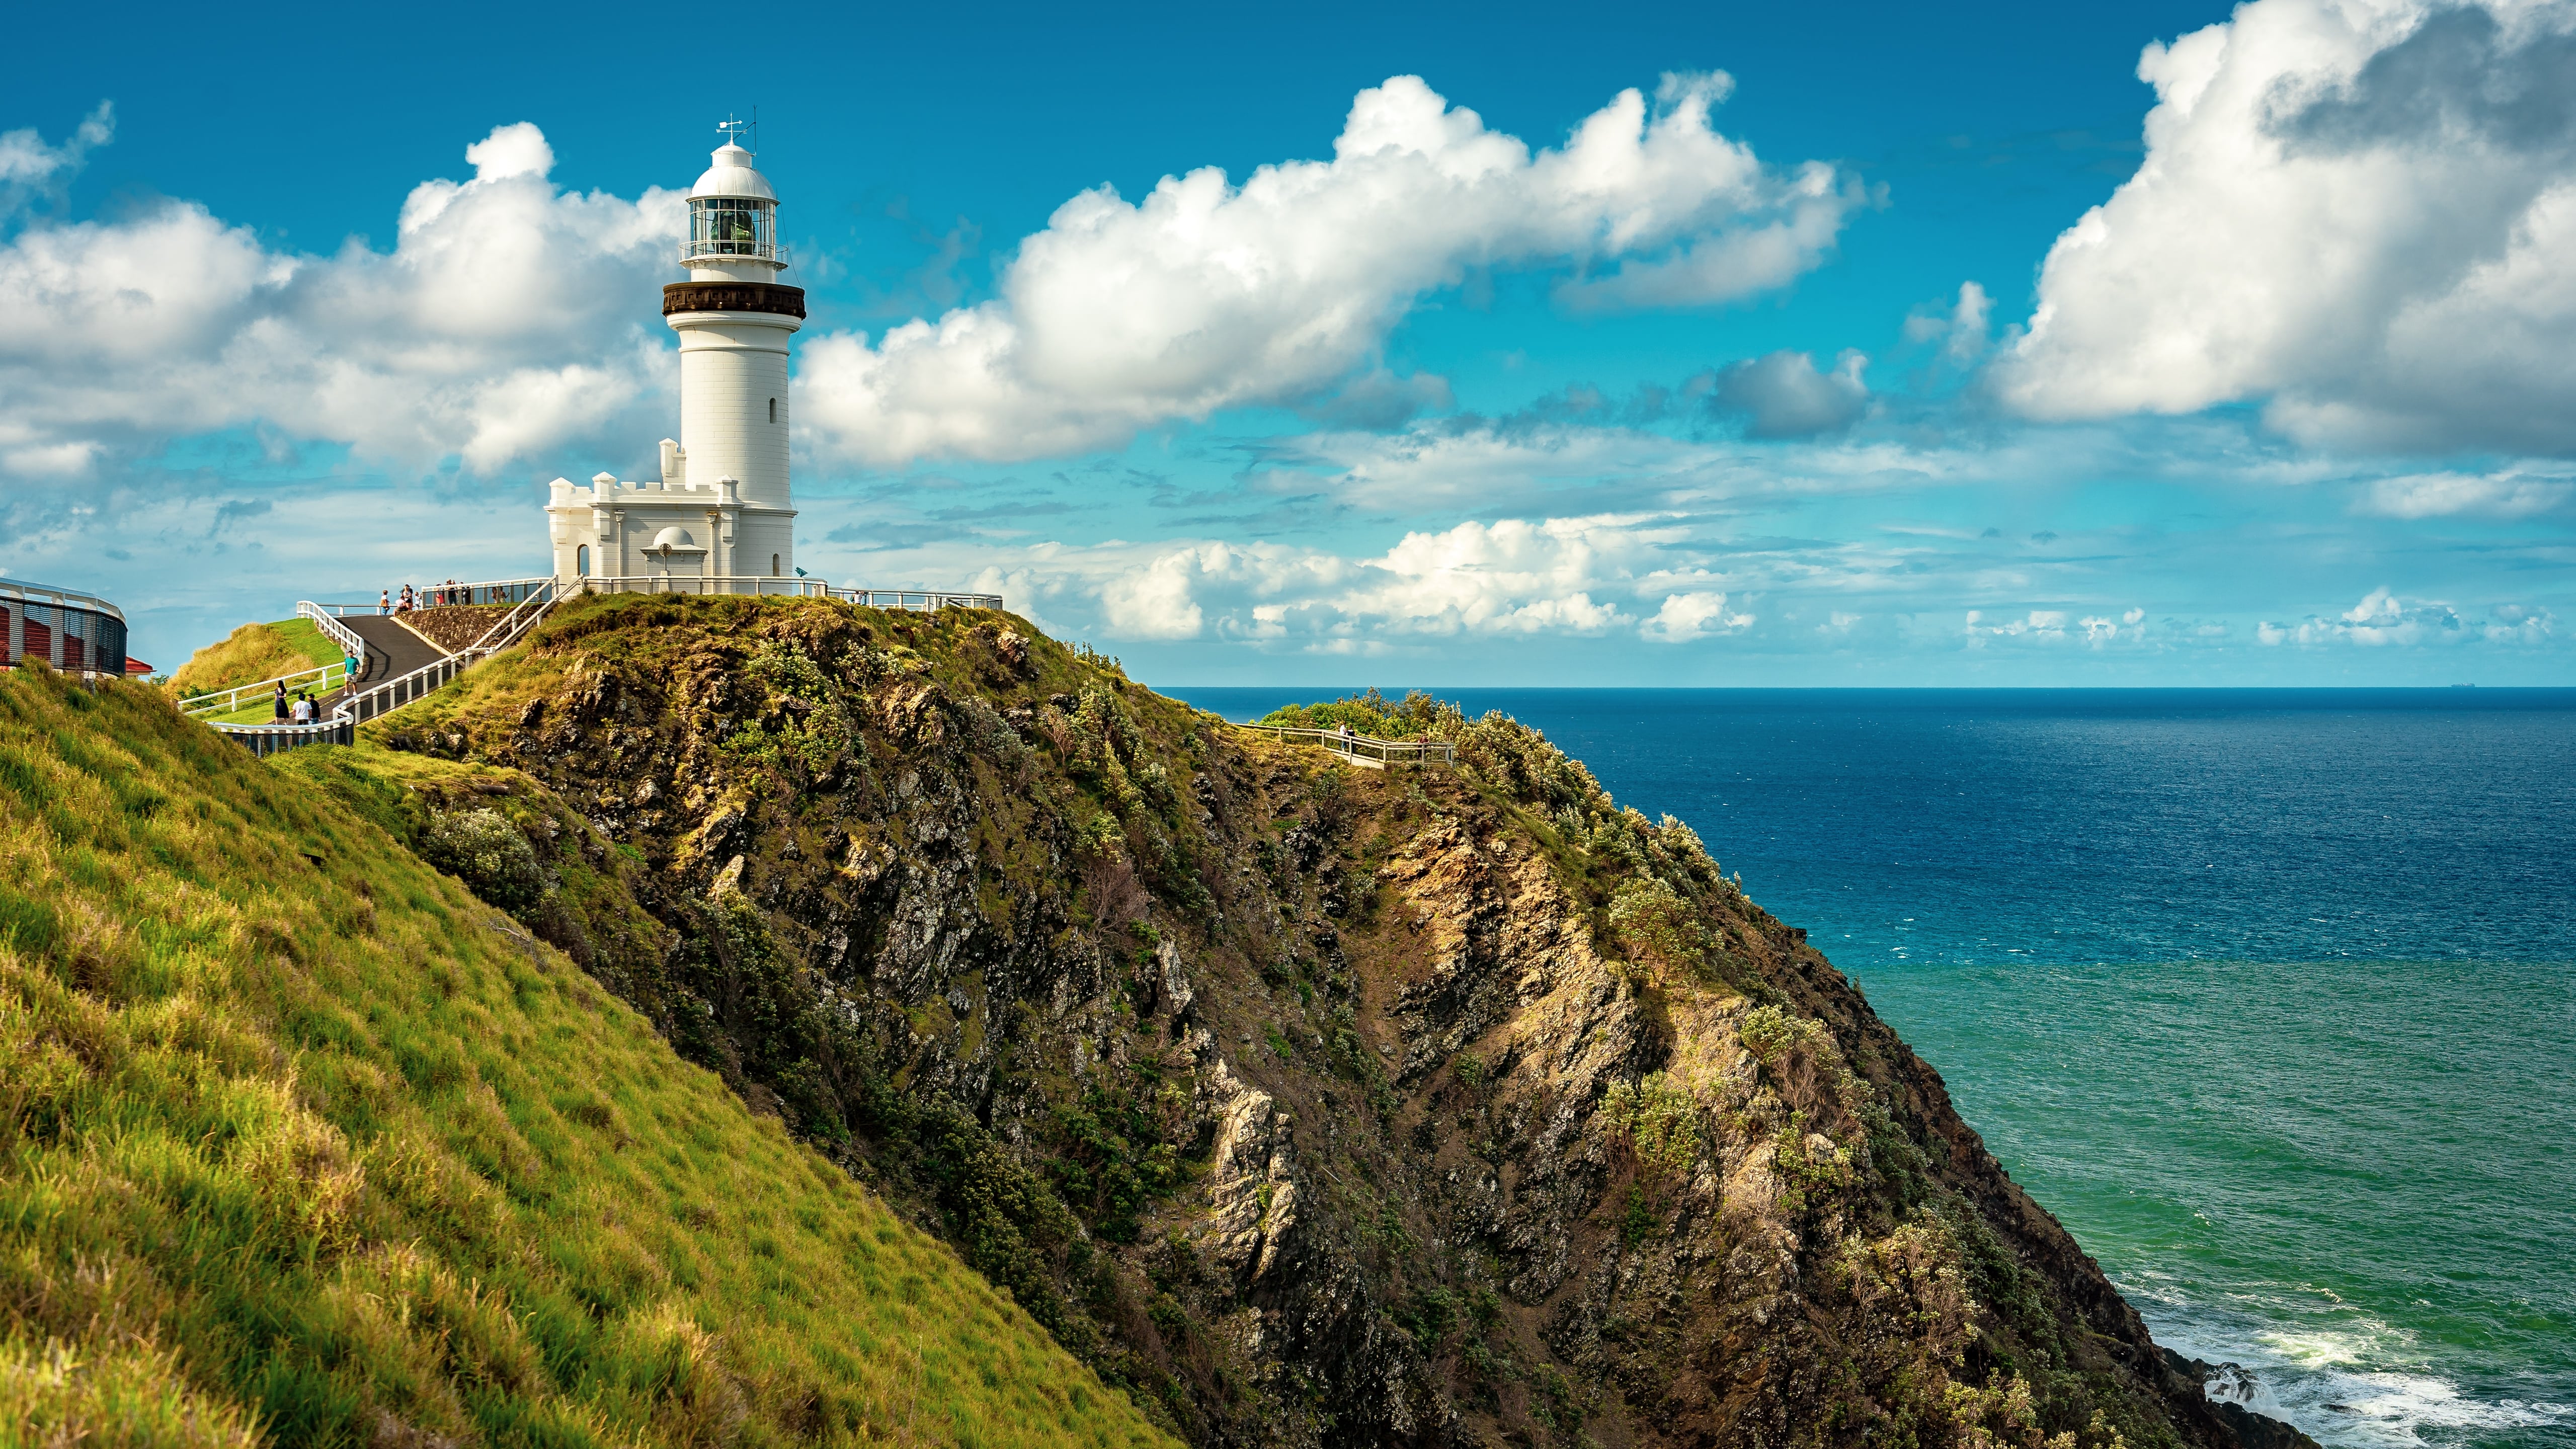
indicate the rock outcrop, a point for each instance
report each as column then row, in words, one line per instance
column 1316, row 1106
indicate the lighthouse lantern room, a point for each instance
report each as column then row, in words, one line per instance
column 720, row 519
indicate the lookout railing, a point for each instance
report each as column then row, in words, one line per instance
column 708, row 585
column 1375, row 754
column 920, row 601
column 431, row 596
column 529, row 600
column 393, row 694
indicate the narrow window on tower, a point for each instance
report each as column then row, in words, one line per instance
column 773, row 410
column 773, row 565
column 581, row 561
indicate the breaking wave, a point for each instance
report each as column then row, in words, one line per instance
column 2350, row 1380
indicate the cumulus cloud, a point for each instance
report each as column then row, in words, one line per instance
column 1207, row 295
column 2385, row 619
column 1784, row 396
column 2057, row 626
column 1961, row 329
column 1511, row 578
column 2511, row 494
column 29, row 168
column 2361, row 213
column 500, row 325
column 1685, row 617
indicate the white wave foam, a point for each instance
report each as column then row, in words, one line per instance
column 2366, row 1408
column 2354, row 1383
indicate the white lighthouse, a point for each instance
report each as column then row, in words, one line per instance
column 720, row 518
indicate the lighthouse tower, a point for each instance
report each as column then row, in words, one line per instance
column 721, row 513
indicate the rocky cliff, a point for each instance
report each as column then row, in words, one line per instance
column 1313, row 1105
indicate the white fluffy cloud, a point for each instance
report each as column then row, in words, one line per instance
column 2383, row 618
column 2361, row 213
column 1685, row 617
column 1511, row 578
column 2057, row 626
column 1961, row 329
column 501, row 324
column 30, row 168
column 1207, row 295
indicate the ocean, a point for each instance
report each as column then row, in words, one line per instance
column 2270, row 995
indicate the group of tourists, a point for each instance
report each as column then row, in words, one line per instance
column 303, row 708
column 436, row 596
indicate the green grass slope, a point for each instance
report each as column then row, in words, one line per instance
column 301, row 1144
column 255, row 652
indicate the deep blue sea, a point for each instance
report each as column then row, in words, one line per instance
column 2269, row 995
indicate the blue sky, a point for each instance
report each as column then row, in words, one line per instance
column 1866, row 344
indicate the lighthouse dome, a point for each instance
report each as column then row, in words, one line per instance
column 733, row 175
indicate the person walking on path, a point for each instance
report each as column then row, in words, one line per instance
column 281, row 701
column 384, row 601
column 349, row 671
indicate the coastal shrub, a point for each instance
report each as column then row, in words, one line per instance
column 1416, row 716
column 1661, row 931
column 1913, row 1280
column 1113, row 1154
column 2004, row 1417
column 483, row 849
column 1658, row 1119
column 1803, row 1060
column 1811, row 1166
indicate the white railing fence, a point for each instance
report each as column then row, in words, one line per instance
column 339, row 633
column 428, row 596
column 393, row 694
column 914, row 600
column 746, row 585
column 1365, row 750
column 920, row 601
column 276, row 739
column 529, row 598
column 320, row 679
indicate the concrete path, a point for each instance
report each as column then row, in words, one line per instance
column 392, row 650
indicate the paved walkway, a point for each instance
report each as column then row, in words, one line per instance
column 392, row 650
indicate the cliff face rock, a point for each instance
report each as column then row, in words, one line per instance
column 1315, row 1106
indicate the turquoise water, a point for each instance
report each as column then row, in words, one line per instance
column 2269, row 995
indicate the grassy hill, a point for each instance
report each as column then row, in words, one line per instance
column 1321, row 1108
column 301, row 1143
column 255, row 652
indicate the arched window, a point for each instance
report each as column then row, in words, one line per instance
column 773, row 410
column 773, row 565
column 581, row 561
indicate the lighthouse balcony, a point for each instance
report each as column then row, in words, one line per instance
column 699, row 251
